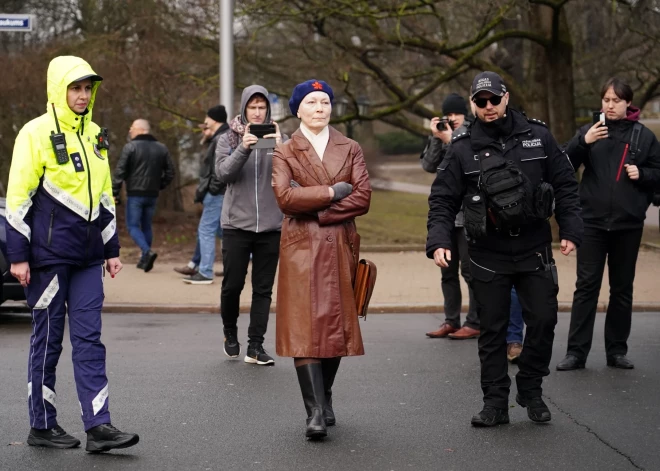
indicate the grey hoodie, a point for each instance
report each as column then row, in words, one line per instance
column 249, row 203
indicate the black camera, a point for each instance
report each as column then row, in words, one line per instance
column 442, row 124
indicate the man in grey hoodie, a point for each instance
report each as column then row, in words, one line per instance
column 251, row 223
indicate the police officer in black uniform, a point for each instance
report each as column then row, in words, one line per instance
column 510, row 174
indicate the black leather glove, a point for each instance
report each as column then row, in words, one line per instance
column 342, row 190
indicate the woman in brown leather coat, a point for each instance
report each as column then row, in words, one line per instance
column 321, row 184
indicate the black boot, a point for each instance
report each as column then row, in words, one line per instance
column 52, row 438
column 310, row 377
column 106, row 437
column 330, row 367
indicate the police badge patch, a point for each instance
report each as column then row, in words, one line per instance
column 531, row 143
column 98, row 152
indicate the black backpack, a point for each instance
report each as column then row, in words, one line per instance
column 509, row 193
column 634, row 147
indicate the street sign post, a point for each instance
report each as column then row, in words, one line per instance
column 14, row 22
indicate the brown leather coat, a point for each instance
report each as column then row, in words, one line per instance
column 319, row 248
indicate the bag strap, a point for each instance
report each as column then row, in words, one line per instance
column 634, row 140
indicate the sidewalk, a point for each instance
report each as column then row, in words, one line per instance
column 407, row 282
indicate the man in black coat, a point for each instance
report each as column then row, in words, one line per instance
column 210, row 192
column 504, row 142
column 621, row 173
column 146, row 167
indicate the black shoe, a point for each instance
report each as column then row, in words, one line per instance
column 330, row 367
column 198, row 279
column 257, row 355
column 106, row 437
column 570, row 362
column 231, row 347
column 620, row 361
column 52, row 438
column 310, row 378
column 537, row 411
column 490, row 416
column 149, row 259
column 140, row 264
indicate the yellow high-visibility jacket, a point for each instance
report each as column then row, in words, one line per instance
column 61, row 213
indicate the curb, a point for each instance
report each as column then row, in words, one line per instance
column 384, row 308
column 376, row 308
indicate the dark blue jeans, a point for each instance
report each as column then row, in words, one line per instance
column 139, row 214
column 514, row 333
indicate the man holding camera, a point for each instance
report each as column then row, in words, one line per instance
column 251, row 220
column 507, row 170
column 621, row 161
column 453, row 122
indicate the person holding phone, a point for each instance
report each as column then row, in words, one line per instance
column 621, row 159
column 61, row 240
column 321, row 184
column 251, row 222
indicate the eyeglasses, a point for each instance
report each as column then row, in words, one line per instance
column 483, row 102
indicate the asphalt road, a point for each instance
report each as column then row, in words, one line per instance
column 406, row 405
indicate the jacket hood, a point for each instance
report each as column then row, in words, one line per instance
column 248, row 93
column 62, row 71
column 632, row 113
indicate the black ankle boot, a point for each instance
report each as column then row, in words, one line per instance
column 106, row 437
column 330, row 367
column 310, row 377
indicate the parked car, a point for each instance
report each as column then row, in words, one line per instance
column 10, row 288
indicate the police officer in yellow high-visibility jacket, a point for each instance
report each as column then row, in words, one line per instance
column 61, row 231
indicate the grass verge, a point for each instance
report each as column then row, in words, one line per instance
column 394, row 218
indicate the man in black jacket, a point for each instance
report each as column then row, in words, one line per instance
column 621, row 173
column 503, row 142
column 146, row 167
column 210, row 192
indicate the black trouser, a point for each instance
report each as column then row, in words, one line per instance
column 451, row 284
column 621, row 249
column 237, row 246
column 537, row 293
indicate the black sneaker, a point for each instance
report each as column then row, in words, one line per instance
column 257, row 355
column 231, row 347
column 490, row 416
column 198, row 279
column 106, row 437
column 52, row 438
column 140, row 264
column 149, row 260
column 537, row 411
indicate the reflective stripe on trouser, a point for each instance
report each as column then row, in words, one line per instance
column 50, row 290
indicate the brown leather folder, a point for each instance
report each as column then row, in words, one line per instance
column 365, row 280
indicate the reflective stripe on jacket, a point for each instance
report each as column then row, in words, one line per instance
column 61, row 213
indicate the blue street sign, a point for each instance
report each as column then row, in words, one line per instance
column 12, row 22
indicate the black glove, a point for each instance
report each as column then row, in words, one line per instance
column 342, row 190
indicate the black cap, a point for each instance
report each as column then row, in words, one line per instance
column 217, row 113
column 489, row 82
column 92, row 77
column 454, row 103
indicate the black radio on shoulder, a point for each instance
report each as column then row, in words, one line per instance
column 59, row 147
column 102, row 141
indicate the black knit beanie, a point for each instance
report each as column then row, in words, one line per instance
column 454, row 103
column 217, row 113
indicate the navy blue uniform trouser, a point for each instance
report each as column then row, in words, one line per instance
column 52, row 292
